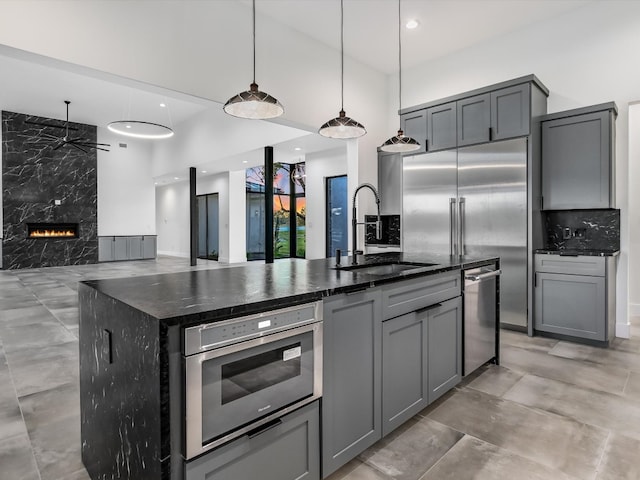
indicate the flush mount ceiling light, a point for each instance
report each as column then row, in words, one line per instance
column 253, row 103
column 79, row 143
column 411, row 24
column 140, row 129
column 400, row 143
column 342, row 126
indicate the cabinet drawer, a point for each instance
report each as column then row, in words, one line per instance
column 410, row 295
column 580, row 265
column 288, row 451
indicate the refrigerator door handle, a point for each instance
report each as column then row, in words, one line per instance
column 461, row 203
column 453, row 250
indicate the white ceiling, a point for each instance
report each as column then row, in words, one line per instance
column 36, row 85
column 446, row 26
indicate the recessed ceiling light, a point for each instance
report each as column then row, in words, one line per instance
column 411, row 24
column 204, row 171
column 127, row 126
column 176, row 178
column 297, row 149
column 244, row 161
column 155, row 183
column 163, row 105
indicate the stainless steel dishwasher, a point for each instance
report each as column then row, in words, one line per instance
column 481, row 335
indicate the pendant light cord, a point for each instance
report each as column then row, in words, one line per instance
column 341, row 55
column 399, row 64
column 254, row 41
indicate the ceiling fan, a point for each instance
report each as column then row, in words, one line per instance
column 80, row 143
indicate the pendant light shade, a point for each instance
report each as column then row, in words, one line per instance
column 253, row 103
column 342, row 126
column 400, row 143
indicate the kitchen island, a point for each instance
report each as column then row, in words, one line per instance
column 132, row 345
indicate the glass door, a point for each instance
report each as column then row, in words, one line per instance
column 208, row 220
column 337, row 215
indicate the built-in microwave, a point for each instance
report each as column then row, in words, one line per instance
column 243, row 373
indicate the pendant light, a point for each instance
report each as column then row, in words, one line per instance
column 253, row 103
column 400, row 143
column 342, row 126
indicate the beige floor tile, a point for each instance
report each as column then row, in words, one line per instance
column 620, row 460
column 495, row 380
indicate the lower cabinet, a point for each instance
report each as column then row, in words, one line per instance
column 351, row 398
column 421, row 360
column 288, row 451
column 137, row 247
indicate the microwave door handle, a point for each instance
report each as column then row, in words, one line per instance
column 452, row 227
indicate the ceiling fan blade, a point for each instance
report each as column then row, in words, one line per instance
column 78, row 147
column 60, row 145
column 94, row 146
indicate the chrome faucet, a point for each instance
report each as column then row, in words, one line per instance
column 355, row 223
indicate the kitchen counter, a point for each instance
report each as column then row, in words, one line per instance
column 188, row 298
column 574, row 253
column 131, row 345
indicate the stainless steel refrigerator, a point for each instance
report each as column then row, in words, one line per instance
column 473, row 201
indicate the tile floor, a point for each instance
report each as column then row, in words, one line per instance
column 552, row 411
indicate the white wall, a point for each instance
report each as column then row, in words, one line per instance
column 584, row 58
column 318, row 167
column 634, row 209
column 126, row 193
column 172, row 219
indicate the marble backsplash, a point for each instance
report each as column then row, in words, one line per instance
column 43, row 185
column 390, row 230
column 583, row 230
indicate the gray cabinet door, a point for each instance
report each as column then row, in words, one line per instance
column 148, row 247
column 135, row 248
column 414, row 125
column 572, row 305
column 351, row 400
column 441, row 127
column 120, row 248
column 288, row 451
column 510, row 112
column 474, row 120
column 105, row 249
column 444, row 334
column 577, row 162
column 404, row 369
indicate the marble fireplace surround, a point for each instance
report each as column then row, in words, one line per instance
column 41, row 185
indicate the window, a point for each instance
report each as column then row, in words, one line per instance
column 337, row 215
column 208, row 226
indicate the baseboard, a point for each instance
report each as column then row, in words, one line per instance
column 173, row 254
column 623, row 330
column 634, row 309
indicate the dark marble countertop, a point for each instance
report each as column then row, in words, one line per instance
column 191, row 297
column 573, row 253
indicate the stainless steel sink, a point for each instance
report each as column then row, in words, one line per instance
column 383, row 268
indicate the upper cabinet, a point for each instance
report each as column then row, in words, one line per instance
column 497, row 112
column 578, row 158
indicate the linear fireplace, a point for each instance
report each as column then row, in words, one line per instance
column 52, row 230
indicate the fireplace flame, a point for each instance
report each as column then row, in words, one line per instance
column 40, row 233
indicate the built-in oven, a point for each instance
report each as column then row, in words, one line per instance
column 242, row 374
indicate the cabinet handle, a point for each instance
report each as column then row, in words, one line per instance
column 490, row 134
column 483, row 276
column 426, row 144
column 430, row 307
column 263, row 428
column 535, row 280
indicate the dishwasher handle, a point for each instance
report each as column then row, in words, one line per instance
column 483, row 276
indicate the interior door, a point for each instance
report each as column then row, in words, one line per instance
column 429, row 185
column 492, row 200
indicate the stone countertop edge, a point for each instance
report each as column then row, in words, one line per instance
column 185, row 298
column 573, row 253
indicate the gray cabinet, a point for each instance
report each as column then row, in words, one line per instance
column 290, row 450
column 510, row 112
column 414, row 125
column 134, row 247
column 441, row 127
column 404, row 369
column 351, row 403
column 445, row 347
column 578, row 159
column 474, row 119
column 575, row 296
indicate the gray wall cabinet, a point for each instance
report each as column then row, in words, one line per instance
column 575, row 296
column 288, row 451
column 511, row 112
column 578, row 158
column 445, row 347
column 414, row 125
column 441, row 127
column 117, row 248
column 474, row 120
column 351, row 403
